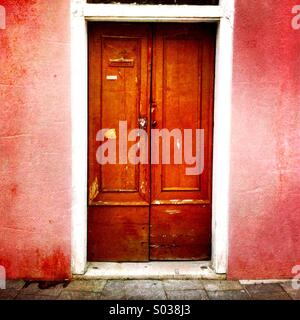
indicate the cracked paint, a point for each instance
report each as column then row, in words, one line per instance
column 171, row 212
column 111, row 134
column 94, row 190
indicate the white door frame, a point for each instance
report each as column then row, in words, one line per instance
column 81, row 13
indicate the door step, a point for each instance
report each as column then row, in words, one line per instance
column 181, row 270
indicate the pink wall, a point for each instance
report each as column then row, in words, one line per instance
column 265, row 167
column 35, row 142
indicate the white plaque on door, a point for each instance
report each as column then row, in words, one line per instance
column 111, row 77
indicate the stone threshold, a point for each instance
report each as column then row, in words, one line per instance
column 183, row 270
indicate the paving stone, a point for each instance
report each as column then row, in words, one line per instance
column 222, row 285
column 8, row 294
column 77, row 295
column 265, row 287
column 86, row 285
column 151, row 290
column 144, row 290
column 266, row 291
column 228, row 295
column 114, row 290
column 33, row 289
column 187, row 295
column 288, row 288
column 270, row 296
column 15, row 284
column 183, row 285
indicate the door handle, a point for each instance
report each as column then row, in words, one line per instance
column 143, row 123
column 153, row 124
column 153, row 115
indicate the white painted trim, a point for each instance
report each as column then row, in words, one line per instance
column 79, row 110
column 82, row 12
column 153, row 13
column 221, row 147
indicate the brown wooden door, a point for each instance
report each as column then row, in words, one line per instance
column 119, row 194
column 180, row 216
column 162, row 74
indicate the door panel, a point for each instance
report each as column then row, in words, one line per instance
column 180, row 232
column 118, row 233
column 183, row 75
column 119, row 74
column 118, row 93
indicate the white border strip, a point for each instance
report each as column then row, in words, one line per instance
column 79, row 110
column 222, row 133
column 82, row 12
column 153, row 13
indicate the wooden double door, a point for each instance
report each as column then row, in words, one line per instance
column 149, row 76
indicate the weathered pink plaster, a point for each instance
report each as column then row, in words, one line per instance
column 35, row 144
column 265, row 152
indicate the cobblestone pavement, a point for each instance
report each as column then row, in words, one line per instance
column 148, row 290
